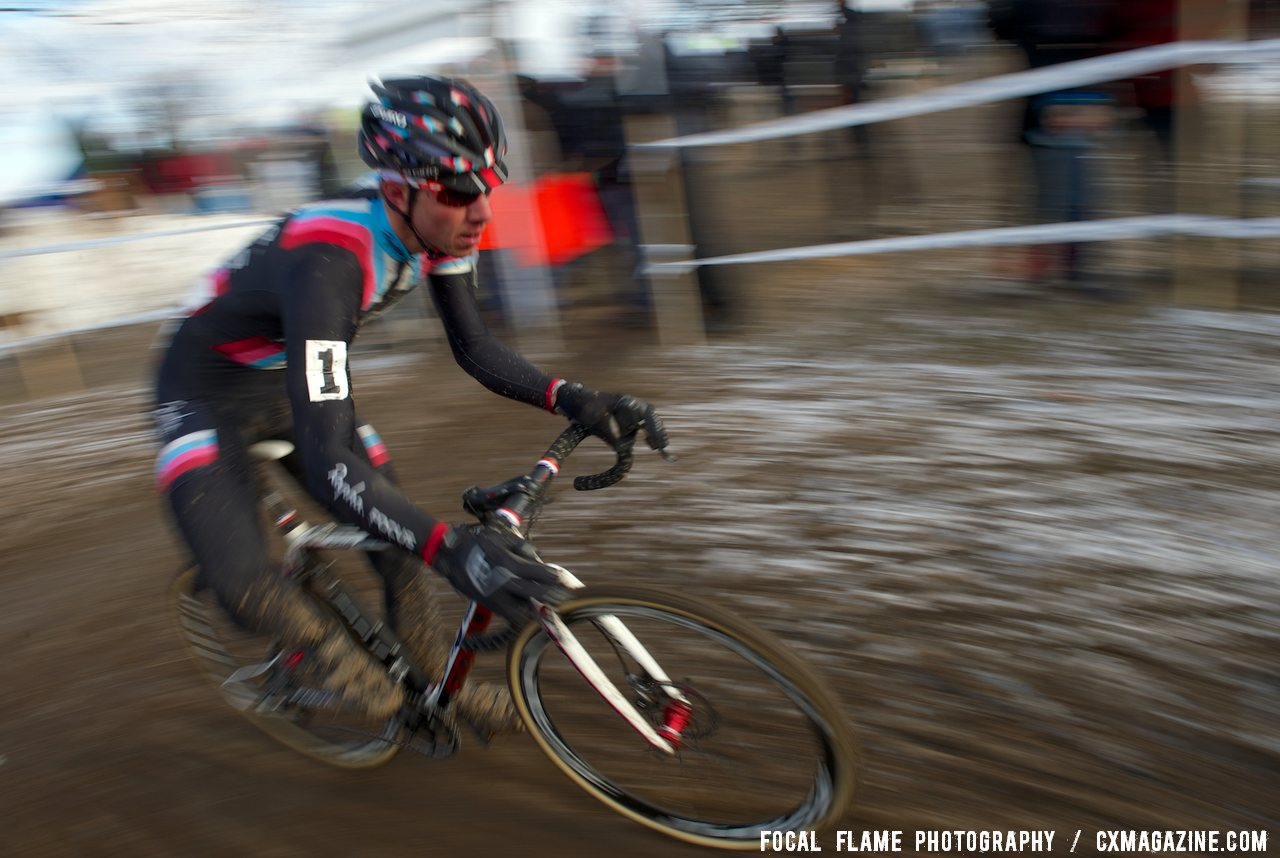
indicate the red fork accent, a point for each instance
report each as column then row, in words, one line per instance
column 674, row 719
column 293, row 659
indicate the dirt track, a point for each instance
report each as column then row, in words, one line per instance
column 1032, row 547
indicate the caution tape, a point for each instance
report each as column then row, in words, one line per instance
column 1111, row 229
column 970, row 93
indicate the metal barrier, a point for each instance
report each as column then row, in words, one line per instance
column 1086, row 72
column 999, row 88
column 1109, row 229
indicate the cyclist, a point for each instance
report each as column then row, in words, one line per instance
column 265, row 354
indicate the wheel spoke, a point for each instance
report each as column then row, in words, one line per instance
column 763, row 747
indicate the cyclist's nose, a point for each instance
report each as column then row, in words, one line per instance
column 480, row 211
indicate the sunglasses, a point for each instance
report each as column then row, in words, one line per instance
column 447, row 196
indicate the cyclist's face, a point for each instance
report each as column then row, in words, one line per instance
column 451, row 222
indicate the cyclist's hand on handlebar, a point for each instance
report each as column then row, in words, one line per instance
column 615, row 417
column 497, row 570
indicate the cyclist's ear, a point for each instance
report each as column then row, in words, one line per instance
column 396, row 193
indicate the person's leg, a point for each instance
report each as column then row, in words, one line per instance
column 1078, row 202
column 414, row 612
column 1052, row 169
column 204, row 471
column 619, row 208
column 410, row 608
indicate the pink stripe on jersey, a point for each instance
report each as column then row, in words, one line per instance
column 345, row 234
column 215, row 285
column 187, row 461
column 221, row 281
column 249, row 350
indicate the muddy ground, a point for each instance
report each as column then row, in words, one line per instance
column 1031, row 545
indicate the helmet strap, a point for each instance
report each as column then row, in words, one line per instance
column 427, row 247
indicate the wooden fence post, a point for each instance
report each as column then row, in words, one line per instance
column 1209, row 150
column 664, row 223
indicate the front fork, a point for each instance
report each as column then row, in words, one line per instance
column 677, row 708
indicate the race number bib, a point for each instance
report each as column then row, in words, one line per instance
column 327, row 370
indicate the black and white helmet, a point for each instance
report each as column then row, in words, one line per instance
column 434, row 128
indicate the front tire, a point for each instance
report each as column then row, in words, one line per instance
column 767, row 747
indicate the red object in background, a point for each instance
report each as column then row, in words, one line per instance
column 568, row 207
column 183, row 174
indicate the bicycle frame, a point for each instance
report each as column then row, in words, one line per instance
column 507, row 505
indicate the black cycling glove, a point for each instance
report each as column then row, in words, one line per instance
column 497, row 570
column 615, row 417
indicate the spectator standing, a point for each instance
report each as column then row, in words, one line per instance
column 1062, row 129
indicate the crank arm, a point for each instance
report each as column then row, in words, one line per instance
column 250, row 671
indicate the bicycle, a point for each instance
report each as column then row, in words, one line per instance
column 681, row 756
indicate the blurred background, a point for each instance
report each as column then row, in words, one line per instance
column 126, row 118
column 1017, row 501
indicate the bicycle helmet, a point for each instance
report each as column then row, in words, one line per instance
column 434, row 128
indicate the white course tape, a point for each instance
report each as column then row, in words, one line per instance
column 1048, row 233
column 111, row 324
column 90, row 243
column 1016, row 85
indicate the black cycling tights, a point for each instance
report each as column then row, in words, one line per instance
column 209, row 479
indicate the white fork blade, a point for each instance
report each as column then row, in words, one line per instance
column 586, row 665
column 623, row 637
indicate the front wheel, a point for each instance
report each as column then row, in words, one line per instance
column 764, row 747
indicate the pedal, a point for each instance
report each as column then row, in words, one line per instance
column 311, row 698
column 433, row 736
column 251, row 671
column 279, row 690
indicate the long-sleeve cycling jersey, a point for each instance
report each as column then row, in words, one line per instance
column 289, row 306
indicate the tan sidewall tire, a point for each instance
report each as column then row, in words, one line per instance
column 772, row 650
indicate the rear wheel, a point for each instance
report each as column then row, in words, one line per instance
column 764, row 745
column 282, row 699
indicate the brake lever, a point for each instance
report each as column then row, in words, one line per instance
column 655, row 435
